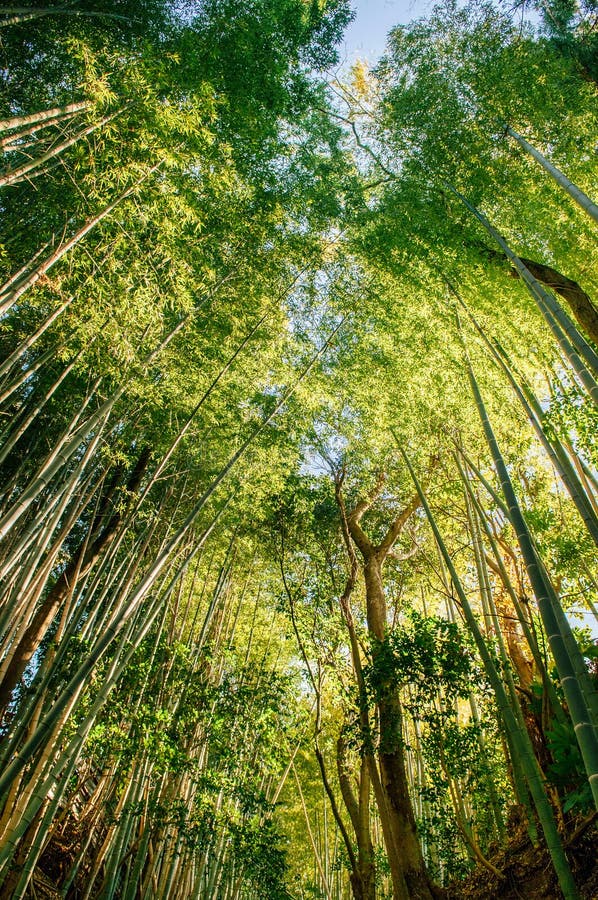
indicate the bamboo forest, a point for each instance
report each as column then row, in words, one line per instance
column 298, row 452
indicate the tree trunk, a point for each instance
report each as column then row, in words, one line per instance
column 579, row 302
column 363, row 873
column 391, row 756
column 409, row 877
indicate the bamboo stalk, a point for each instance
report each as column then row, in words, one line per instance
column 576, row 193
column 45, row 115
column 569, row 674
column 13, row 176
column 520, row 738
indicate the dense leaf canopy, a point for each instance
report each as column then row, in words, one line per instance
column 299, row 491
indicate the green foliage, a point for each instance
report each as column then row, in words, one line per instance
column 247, row 226
column 431, row 655
column 258, row 846
column 566, row 771
column 568, row 415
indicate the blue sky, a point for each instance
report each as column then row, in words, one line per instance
column 366, row 35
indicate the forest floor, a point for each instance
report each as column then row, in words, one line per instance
column 528, row 873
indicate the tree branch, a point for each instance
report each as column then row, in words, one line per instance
column 354, row 517
column 383, row 549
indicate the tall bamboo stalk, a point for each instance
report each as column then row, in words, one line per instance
column 12, row 176
column 17, row 286
column 520, row 737
column 43, row 116
column 576, row 193
column 576, row 687
column 582, row 357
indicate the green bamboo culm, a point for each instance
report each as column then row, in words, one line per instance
column 538, row 574
column 580, row 354
column 561, row 461
column 553, row 447
column 556, row 453
column 572, row 189
column 555, row 704
column 584, row 375
column 519, row 780
column 521, row 739
column 535, row 568
column 488, row 603
column 33, row 742
column 562, row 623
column 576, row 688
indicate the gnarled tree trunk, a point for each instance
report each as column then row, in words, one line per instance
column 409, row 875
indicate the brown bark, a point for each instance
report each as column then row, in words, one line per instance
column 409, row 876
column 370, row 776
column 579, row 302
column 83, row 559
column 391, row 757
column 363, row 875
column 357, row 881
